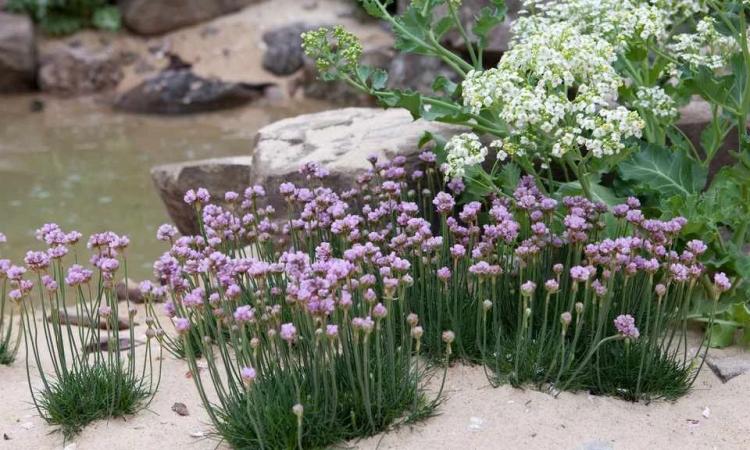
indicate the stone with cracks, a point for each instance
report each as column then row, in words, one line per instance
column 341, row 140
column 218, row 175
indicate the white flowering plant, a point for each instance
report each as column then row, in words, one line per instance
column 587, row 99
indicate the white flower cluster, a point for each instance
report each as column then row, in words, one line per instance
column 463, row 150
column 706, row 47
column 558, row 85
column 656, row 101
column 681, row 9
column 619, row 22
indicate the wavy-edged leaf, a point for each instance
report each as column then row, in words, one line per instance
column 487, row 20
column 669, row 173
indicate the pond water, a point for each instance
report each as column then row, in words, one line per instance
column 78, row 164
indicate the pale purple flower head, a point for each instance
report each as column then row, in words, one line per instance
column 551, row 286
column 244, row 313
column 197, row 197
column 660, row 290
column 625, row 325
column 77, row 275
column 379, row 311
column 332, row 330
column 457, row 186
column 528, row 288
column 580, row 273
column 166, row 232
column 721, row 282
column 49, row 283
column 566, row 318
column 181, row 324
column 3, row 239
column 444, row 203
column 697, row 247
column 36, row 261
column 248, row 375
column 288, row 332
column 15, row 272
column 444, row 273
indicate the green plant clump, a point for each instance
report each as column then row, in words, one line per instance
column 74, row 313
column 61, row 17
column 587, row 100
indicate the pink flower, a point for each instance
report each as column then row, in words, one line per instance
column 721, row 282
column 379, row 311
column 166, row 232
column 625, row 325
column 248, row 375
column 244, row 314
column 288, row 332
column 181, row 324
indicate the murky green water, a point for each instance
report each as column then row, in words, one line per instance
column 84, row 167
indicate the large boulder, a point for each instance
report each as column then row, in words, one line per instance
column 17, row 53
column 284, row 54
column 75, row 70
column 339, row 92
column 694, row 118
column 341, row 140
column 498, row 39
column 180, row 91
column 218, row 175
column 155, row 17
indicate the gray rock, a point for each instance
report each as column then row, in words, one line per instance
column 417, row 72
column 180, row 91
column 338, row 92
column 730, row 367
column 284, row 54
column 75, row 70
column 128, row 289
column 17, row 53
column 340, row 139
column 218, row 175
column 155, row 17
column 498, row 38
column 71, row 316
column 180, row 409
column 694, row 118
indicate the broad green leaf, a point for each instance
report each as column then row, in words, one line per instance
column 666, row 172
column 487, row 20
column 509, row 176
column 371, row 7
column 722, row 335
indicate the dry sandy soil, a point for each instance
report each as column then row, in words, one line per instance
column 714, row 415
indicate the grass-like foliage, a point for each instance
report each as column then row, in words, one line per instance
column 99, row 393
column 10, row 331
column 568, row 295
column 74, row 310
column 304, row 347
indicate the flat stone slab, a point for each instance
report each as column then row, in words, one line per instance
column 340, row 140
column 729, row 367
column 218, row 175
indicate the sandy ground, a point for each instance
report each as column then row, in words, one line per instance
column 715, row 415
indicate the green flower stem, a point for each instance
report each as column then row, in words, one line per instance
column 588, row 358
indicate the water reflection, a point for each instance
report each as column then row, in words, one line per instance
column 86, row 168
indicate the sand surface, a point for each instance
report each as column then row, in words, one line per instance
column 714, row 415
